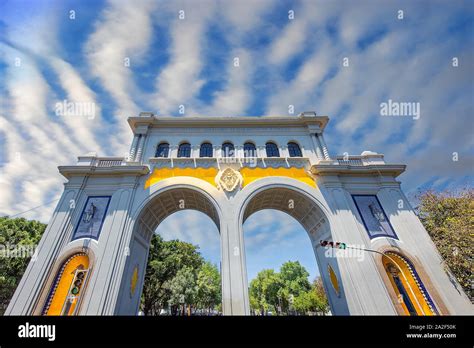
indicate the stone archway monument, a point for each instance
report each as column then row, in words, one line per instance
column 93, row 254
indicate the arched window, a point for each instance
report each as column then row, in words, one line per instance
column 68, row 286
column 250, row 150
column 406, row 283
column 205, row 150
column 294, row 150
column 163, row 150
column 228, row 150
column 184, row 150
column 272, row 150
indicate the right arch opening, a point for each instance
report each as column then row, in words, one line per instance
column 304, row 214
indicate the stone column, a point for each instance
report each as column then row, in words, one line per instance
column 105, row 280
column 324, row 146
column 362, row 290
column 234, row 275
column 27, row 298
column 317, row 146
column 141, row 141
column 133, row 148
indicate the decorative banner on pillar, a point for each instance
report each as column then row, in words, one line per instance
column 92, row 218
column 375, row 221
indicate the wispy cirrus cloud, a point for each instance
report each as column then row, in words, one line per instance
column 179, row 81
column 120, row 41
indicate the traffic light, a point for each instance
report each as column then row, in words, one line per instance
column 70, row 304
column 78, row 282
column 337, row 245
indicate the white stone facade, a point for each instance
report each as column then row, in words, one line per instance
column 141, row 198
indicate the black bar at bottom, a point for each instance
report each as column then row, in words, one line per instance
column 361, row 330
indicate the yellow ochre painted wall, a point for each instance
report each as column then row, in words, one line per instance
column 252, row 174
column 206, row 174
column 248, row 174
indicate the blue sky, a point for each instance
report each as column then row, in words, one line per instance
column 46, row 57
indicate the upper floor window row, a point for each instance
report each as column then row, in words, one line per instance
column 228, row 150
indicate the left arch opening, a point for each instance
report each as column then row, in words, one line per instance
column 165, row 254
column 183, row 268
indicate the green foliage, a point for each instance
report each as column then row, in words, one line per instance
column 182, row 287
column 323, row 303
column 15, row 234
column 208, row 287
column 271, row 291
column 167, row 260
column 176, row 276
column 449, row 220
column 313, row 300
column 264, row 291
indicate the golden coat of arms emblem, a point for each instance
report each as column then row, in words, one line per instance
column 229, row 179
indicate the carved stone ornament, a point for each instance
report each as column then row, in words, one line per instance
column 229, row 179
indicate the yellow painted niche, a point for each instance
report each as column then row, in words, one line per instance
column 411, row 287
column 252, row 174
column 79, row 261
column 206, row 174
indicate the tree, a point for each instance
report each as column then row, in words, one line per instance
column 273, row 291
column 314, row 300
column 165, row 260
column 183, row 289
column 208, row 287
column 304, row 302
column 294, row 278
column 18, row 238
column 264, row 291
column 449, row 220
column 323, row 303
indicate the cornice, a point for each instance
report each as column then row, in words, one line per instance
column 69, row 171
column 382, row 169
column 227, row 121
